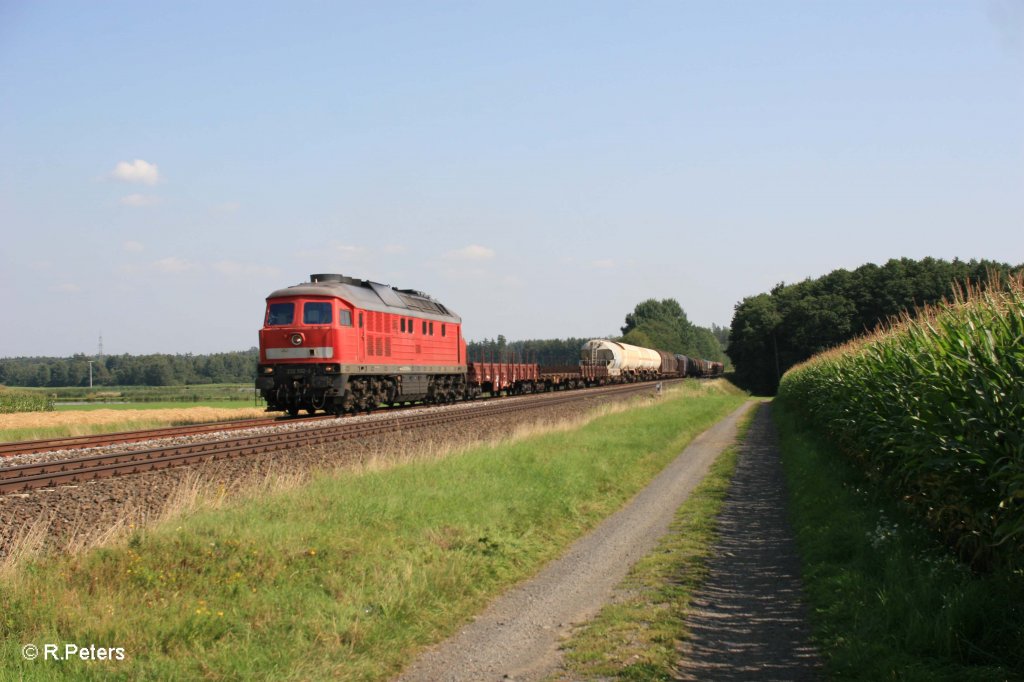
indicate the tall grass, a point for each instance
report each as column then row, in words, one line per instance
column 24, row 401
column 933, row 409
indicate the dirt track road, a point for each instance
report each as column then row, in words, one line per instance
column 749, row 619
column 517, row 636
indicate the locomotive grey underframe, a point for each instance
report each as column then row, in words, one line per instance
column 414, row 381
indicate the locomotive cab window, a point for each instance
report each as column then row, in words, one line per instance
column 345, row 317
column 360, row 320
column 424, row 328
column 280, row 314
column 316, row 313
column 431, row 328
column 403, row 325
column 442, row 330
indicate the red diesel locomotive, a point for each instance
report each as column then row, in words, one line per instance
column 342, row 344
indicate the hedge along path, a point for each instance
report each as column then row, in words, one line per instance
column 517, row 636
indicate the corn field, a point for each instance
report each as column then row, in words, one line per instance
column 21, row 401
column 933, row 409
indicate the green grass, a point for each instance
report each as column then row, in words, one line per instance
column 143, row 394
column 636, row 637
column 347, row 577
column 889, row 601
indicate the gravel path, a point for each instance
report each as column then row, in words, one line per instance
column 517, row 636
column 749, row 620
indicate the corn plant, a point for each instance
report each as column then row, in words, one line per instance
column 933, row 407
column 23, row 401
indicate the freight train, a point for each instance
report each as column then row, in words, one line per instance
column 345, row 345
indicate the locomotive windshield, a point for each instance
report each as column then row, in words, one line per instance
column 316, row 313
column 280, row 314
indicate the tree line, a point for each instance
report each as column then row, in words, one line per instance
column 773, row 331
column 661, row 325
column 131, row 370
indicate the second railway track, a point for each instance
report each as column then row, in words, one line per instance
column 24, row 477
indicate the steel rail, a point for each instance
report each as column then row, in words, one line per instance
column 79, row 469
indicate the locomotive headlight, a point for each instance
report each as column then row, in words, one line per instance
column 266, row 369
column 296, row 339
column 332, row 369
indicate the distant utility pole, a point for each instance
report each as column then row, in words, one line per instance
column 90, row 371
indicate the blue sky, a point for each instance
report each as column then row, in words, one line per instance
column 538, row 167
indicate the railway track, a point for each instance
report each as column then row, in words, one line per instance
column 80, row 469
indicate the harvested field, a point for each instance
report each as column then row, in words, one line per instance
column 81, row 423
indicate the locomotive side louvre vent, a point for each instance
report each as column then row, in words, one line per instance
column 369, row 346
column 387, row 346
column 380, row 346
column 418, row 348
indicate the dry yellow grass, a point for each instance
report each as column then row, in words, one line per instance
column 32, row 420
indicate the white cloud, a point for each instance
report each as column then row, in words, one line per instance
column 603, row 263
column 132, row 246
column 172, row 265
column 67, row 288
column 140, row 200
column 395, row 248
column 473, row 252
column 235, row 269
column 227, row 207
column 334, row 252
column 136, row 171
column 348, row 251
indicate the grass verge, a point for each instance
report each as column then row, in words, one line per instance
column 888, row 600
column 347, row 576
column 636, row 636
